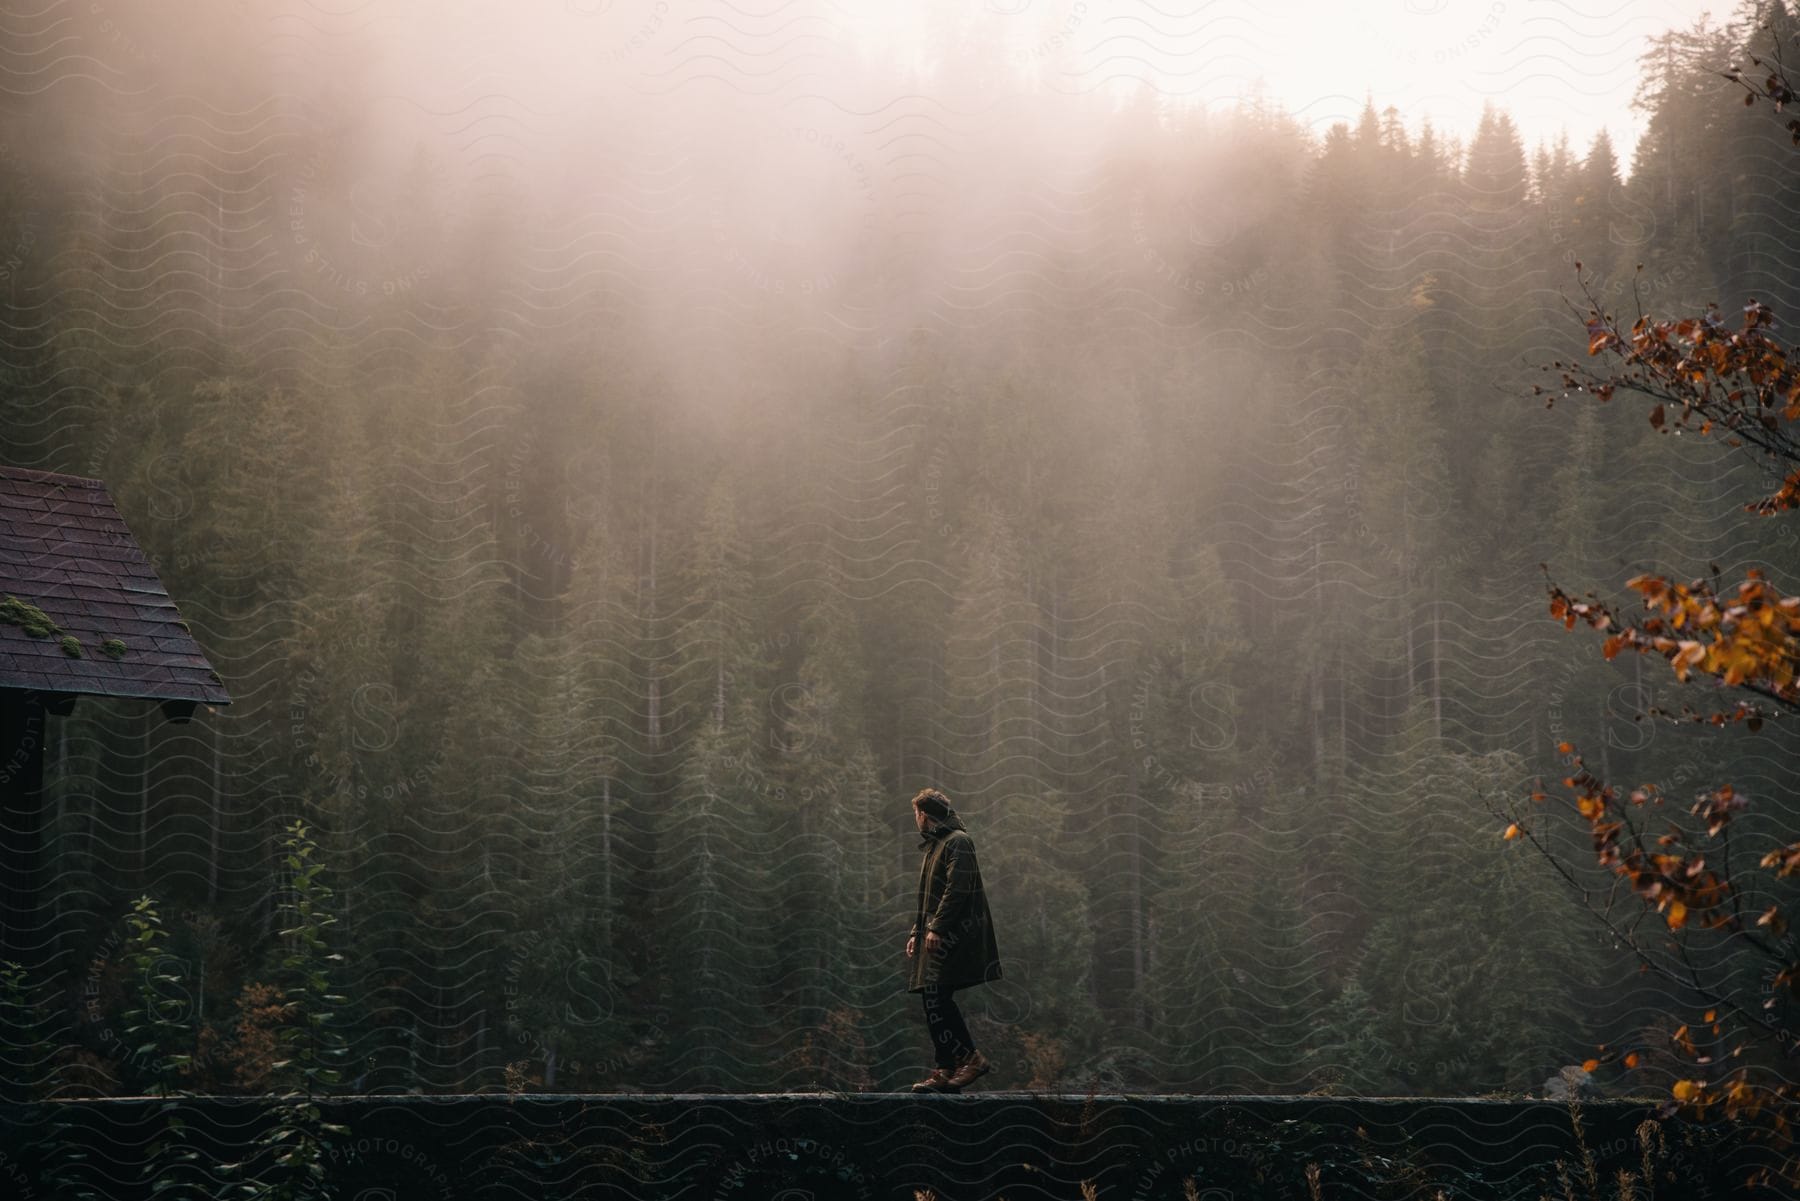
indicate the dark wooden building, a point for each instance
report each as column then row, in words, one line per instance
column 82, row 613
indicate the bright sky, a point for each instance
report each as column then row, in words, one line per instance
column 1553, row 64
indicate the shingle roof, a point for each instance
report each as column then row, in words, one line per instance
column 64, row 548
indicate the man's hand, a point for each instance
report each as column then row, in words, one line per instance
column 932, row 942
column 912, row 943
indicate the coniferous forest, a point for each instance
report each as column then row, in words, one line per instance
column 606, row 515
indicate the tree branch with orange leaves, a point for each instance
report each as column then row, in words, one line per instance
column 1748, row 640
column 1767, row 80
column 1700, row 375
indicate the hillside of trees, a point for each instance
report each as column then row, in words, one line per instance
column 598, row 576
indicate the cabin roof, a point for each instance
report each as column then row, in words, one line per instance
column 67, row 556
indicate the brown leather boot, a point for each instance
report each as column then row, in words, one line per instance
column 937, row 1082
column 968, row 1069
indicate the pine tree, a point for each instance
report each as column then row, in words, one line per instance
column 1443, row 1000
column 1404, row 494
column 843, row 883
column 993, row 774
column 566, row 979
column 719, row 866
column 1495, row 177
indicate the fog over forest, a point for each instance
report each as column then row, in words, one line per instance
column 616, row 453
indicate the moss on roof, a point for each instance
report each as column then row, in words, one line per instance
column 27, row 617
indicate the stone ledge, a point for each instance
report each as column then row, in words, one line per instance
column 818, row 1146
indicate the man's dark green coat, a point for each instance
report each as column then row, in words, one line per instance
column 953, row 903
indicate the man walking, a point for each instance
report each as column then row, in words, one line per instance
column 958, row 948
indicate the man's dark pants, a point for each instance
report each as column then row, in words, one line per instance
column 950, row 1039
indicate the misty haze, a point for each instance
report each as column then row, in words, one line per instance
column 605, row 459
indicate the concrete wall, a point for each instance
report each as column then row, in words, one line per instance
column 826, row 1147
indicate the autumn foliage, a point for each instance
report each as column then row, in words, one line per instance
column 1677, row 861
column 1701, row 375
column 1749, row 639
column 1767, row 79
